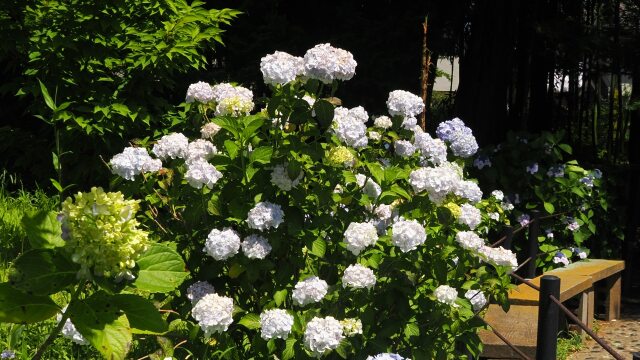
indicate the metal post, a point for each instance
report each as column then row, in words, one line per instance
column 532, row 254
column 548, row 314
column 509, row 237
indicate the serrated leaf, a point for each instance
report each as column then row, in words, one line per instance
column 289, row 350
column 143, row 316
column 232, row 148
column 43, row 229
column 318, row 247
column 376, row 172
column 261, row 155
column 252, row 125
column 20, row 308
column 324, row 113
column 161, row 269
column 250, row 321
column 42, row 272
column 411, row 329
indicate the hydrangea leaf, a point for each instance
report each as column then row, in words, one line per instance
column 324, row 113
column 43, row 230
column 99, row 320
column 161, row 269
column 20, row 308
column 289, row 350
column 261, row 155
column 250, row 321
column 319, row 248
column 143, row 316
column 42, row 272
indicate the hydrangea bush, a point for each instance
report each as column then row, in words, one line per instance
column 535, row 174
column 312, row 230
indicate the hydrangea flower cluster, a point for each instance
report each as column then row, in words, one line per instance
column 213, row 313
column 275, row 324
column 198, row 290
column 443, row 180
column 232, row 100
column 351, row 327
column 561, row 258
column 172, row 146
column 446, row 294
column 556, row 171
column 200, row 92
column 470, row 216
column 281, row 68
column 102, row 234
column 310, row 290
column 404, row 103
column 265, row 215
column 358, row 277
column 200, row 150
column 280, row 178
column 341, row 156
column 349, row 126
column 222, row 244
column 383, row 122
column 133, row 161
column 432, row 150
column 209, row 130
column 462, row 141
column 70, row 332
column 404, row 148
column 498, row 256
column 326, row 63
column 358, row 236
column 386, row 356
column 256, row 247
column 477, row 299
column 200, row 173
column 469, row 240
column 408, row 234
column 322, row 335
column 369, row 187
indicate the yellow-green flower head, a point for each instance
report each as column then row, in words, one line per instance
column 454, row 208
column 102, row 235
column 341, row 156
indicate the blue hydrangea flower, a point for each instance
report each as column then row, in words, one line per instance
column 386, row 356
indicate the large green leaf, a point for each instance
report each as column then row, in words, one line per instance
column 324, row 113
column 261, row 154
column 100, row 321
column 42, row 272
column 250, row 321
column 18, row 307
column 161, row 269
column 43, row 229
column 143, row 316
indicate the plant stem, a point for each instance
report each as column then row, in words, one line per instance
column 58, row 328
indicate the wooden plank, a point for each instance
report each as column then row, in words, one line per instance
column 613, row 297
column 598, row 269
column 519, row 326
column 570, row 286
column 586, row 309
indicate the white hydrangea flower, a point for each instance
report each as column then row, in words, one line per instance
column 351, row 327
column 280, row 178
column 310, row 290
column 198, row 290
column 133, row 161
column 326, row 63
column 275, row 324
column 469, row 240
column 404, row 148
column 477, row 299
column 446, row 294
column 213, row 313
column 432, row 150
column 494, row 216
column 404, row 103
column 499, row 195
column 222, row 245
column 322, row 335
column 386, row 356
column 374, row 135
column 201, row 173
column 349, row 128
column 232, row 100
column 437, row 181
column 281, row 68
column 360, row 235
column 498, row 256
column 461, row 138
column 383, row 211
column 470, row 216
column 265, row 215
column 383, row 122
column 359, row 113
column 469, row 190
column 408, row 234
column 311, row 101
column 410, row 123
column 200, row 92
column 209, row 130
column 358, row 277
column 369, row 187
column 256, row 247
column 464, row 146
column 171, row 146
column 69, row 330
column 200, row 149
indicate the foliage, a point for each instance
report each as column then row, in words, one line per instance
column 567, row 345
column 330, row 187
column 536, row 173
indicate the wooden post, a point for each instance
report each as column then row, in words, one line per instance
column 426, row 62
column 614, row 286
column 532, row 253
column 548, row 314
column 586, row 309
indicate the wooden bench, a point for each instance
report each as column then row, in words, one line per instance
column 519, row 325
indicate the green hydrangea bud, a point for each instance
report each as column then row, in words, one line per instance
column 101, row 233
column 341, row 156
column 454, row 208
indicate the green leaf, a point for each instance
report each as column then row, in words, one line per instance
column 261, row 155
column 324, row 113
column 280, row 296
column 566, row 148
column 229, row 124
column 250, row 321
column 232, row 148
column 102, row 324
column 376, row 172
column 42, row 272
column 318, row 247
column 43, row 229
column 143, row 316
column 161, row 269
column 289, row 350
column 20, row 308
column 252, row 125
column 411, row 329
column 549, row 207
column 47, row 98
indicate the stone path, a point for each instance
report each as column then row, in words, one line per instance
column 623, row 335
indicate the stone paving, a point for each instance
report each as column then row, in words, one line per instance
column 623, row 335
